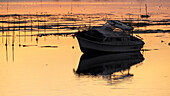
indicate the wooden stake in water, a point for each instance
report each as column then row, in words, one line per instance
column 19, row 28
column 31, row 28
column 58, row 21
column 7, row 32
column 25, row 29
column 2, row 31
column 13, row 53
column 38, row 23
column 44, row 27
column 7, row 53
column 13, row 40
column 146, row 9
column 13, row 44
column 6, row 35
column 71, row 7
column 13, row 34
column 41, row 4
column 8, row 25
column 37, row 39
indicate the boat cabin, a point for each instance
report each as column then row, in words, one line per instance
column 110, row 32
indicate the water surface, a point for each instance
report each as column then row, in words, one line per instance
column 39, row 66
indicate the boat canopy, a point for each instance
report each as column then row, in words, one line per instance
column 118, row 24
column 107, row 33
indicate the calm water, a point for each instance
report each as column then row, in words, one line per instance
column 54, row 65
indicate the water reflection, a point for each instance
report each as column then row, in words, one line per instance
column 112, row 66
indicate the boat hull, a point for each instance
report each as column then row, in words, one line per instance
column 88, row 46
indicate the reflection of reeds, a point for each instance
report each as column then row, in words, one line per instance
column 49, row 46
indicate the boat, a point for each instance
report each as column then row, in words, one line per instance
column 146, row 15
column 107, row 64
column 114, row 36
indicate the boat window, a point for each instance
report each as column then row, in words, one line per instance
column 109, row 39
column 93, row 35
column 96, row 33
column 108, row 28
column 118, row 30
column 118, row 39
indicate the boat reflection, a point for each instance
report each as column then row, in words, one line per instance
column 111, row 66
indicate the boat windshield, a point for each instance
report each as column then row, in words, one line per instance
column 110, row 28
column 122, row 31
column 117, row 30
column 95, row 33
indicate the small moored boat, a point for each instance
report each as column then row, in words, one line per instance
column 114, row 36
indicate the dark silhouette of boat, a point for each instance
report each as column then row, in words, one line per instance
column 145, row 16
column 114, row 36
column 107, row 64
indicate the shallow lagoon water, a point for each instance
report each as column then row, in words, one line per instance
column 49, row 71
column 47, row 65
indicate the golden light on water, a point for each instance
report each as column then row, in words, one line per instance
column 39, row 66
